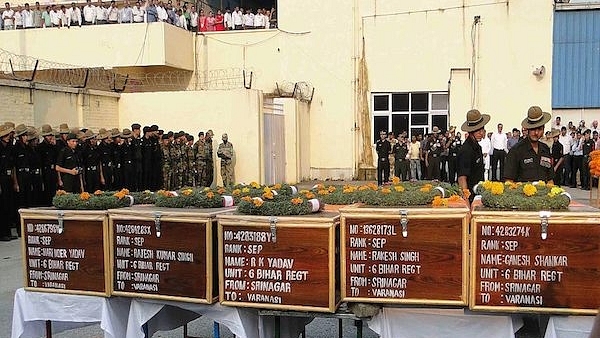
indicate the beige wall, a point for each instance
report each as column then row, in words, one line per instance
column 237, row 113
column 56, row 105
column 155, row 44
column 414, row 50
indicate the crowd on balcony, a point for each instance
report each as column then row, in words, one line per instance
column 181, row 14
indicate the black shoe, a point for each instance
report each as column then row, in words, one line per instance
column 4, row 239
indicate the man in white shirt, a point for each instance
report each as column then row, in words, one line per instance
column 594, row 126
column 101, row 13
column 113, row 13
column 228, row 19
column 259, row 20
column 162, row 12
column 486, row 145
column 8, row 17
column 138, row 13
column 248, row 20
column 89, row 14
column 74, row 14
column 181, row 21
column 55, row 17
column 567, row 142
column 27, row 17
column 557, row 123
column 499, row 147
column 193, row 19
column 126, row 13
column 237, row 18
column 18, row 18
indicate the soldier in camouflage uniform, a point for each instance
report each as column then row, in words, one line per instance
column 176, row 159
column 165, row 148
column 208, row 153
column 200, row 159
column 225, row 153
column 191, row 161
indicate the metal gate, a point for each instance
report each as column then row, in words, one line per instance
column 274, row 138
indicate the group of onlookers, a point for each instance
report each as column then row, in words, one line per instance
column 434, row 155
column 180, row 14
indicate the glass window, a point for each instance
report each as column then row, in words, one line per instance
column 399, row 123
column 379, row 123
column 419, row 119
column 381, row 102
column 419, row 101
column 439, row 101
column 441, row 121
column 417, row 131
column 400, row 102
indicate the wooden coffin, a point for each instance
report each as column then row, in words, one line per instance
column 66, row 251
column 285, row 263
column 164, row 253
column 536, row 261
column 412, row 255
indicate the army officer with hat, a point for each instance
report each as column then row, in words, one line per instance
column 530, row 160
column 68, row 165
column 470, row 166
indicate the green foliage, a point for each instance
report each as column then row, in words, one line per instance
column 103, row 201
column 513, row 197
column 143, row 197
column 190, row 198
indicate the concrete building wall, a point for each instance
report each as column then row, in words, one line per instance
column 56, row 105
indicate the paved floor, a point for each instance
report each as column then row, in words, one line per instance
column 11, row 278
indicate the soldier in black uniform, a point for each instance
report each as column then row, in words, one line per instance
column 138, row 165
column 383, row 149
column 69, row 166
column 530, row 160
column 94, row 180
column 147, row 153
column 557, row 155
column 116, row 156
column 400, row 151
column 48, row 152
column 434, row 151
column 127, row 166
column 35, row 163
column 453, row 149
column 106, row 158
column 64, row 130
column 23, row 168
column 8, row 182
column 155, row 167
column 587, row 147
column 470, row 158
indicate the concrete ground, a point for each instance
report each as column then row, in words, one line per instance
column 11, row 278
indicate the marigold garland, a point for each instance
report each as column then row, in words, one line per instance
column 531, row 196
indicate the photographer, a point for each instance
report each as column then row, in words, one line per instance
column 68, row 165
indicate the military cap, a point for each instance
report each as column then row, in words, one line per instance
column 160, row 131
column 126, row 133
column 103, row 134
column 47, row 130
column 165, row 136
column 146, row 129
column 135, row 126
column 89, row 134
column 114, row 133
column 189, row 137
column 32, row 134
column 20, row 130
column 71, row 136
column 177, row 135
column 5, row 129
column 154, row 127
column 10, row 124
column 64, row 128
column 170, row 133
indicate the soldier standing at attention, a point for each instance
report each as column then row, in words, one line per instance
column 155, row 168
column 127, row 166
column 22, row 159
column 64, row 130
column 200, row 159
column 191, row 161
column 383, row 149
column 48, row 153
column 136, row 147
column 400, row 151
column 8, row 182
column 530, row 160
column 470, row 166
column 208, row 152
column 166, row 163
column 35, row 162
column 116, row 156
column 225, row 152
column 69, row 166
column 106, row 158
column 92, row 165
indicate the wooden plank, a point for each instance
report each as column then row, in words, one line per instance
column 514, row 269
column 292, row 268
column 72, row 260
